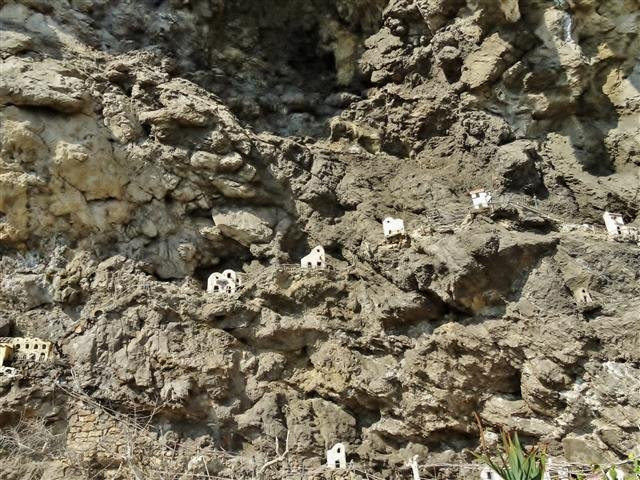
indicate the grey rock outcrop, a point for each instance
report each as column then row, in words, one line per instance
column 146, row 145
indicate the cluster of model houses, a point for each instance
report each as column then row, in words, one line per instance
column 21, row 348
column 337, row 458
column 228, row 282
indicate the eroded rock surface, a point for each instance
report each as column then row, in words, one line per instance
column 145, row 145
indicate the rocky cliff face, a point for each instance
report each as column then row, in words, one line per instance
column 146, row 144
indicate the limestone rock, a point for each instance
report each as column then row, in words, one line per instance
column 488, row 63
column 14, row 42
column 138, row 157
column 43, row 84
column 246, row 226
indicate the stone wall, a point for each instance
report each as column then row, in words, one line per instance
column 94, row 433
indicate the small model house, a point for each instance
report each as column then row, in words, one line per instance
column 614, row 223
column 337, row 457
column 489, row 474
column 316, row 259
column 393, row 227
column 582, row 296
column 413, row 465
column 25, row 348
column 226, row 282
column 480, row 198
column 618, row 230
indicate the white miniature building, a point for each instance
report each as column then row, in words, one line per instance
column 582, row 295
column 489, row 474
column 480, row 198
column 413, row 464
column 616, row 227
column 8, row 371
column 316, row 259
column 226, row 282
column 25, row 348
column 614, row 223
column 393, row 227
column 337, row 457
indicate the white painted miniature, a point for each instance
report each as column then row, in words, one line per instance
column 480, row 198
column 393, row 227
column 233, row 276
column 614, row 223
column 337, row 457
column 582, row 295
column 26, row 348
column 316, row 259
column 489, row 474
column 413, row 464
column 6, row 354
column 226, row 282
column 8, row 371
column 618, row 230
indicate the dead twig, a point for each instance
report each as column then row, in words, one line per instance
column 280, row 457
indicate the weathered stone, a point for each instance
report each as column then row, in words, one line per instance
column 246, row 226
column 43, row 84
column 139, row 157
column 14, row 42
column 487, row 63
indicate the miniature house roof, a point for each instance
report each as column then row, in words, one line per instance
column 479, row 190
column 13, row 341
column 227, row 281
column 614, row 216
column 315, row 259
column 336, row 456
column 393, row 226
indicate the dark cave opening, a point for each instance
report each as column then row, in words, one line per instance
column 294, row 64
column 282, row 66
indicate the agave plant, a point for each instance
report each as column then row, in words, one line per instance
column 517, row 463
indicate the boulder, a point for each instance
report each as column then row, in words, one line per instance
column 41, row 84
column 487, row 64
column 246, row 226
column 13, row 42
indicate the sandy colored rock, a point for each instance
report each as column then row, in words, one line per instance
column 145, row 146
column 40, row 85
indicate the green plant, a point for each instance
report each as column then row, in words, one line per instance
column 611, row 474
column 517, row 463
column 635, row 465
